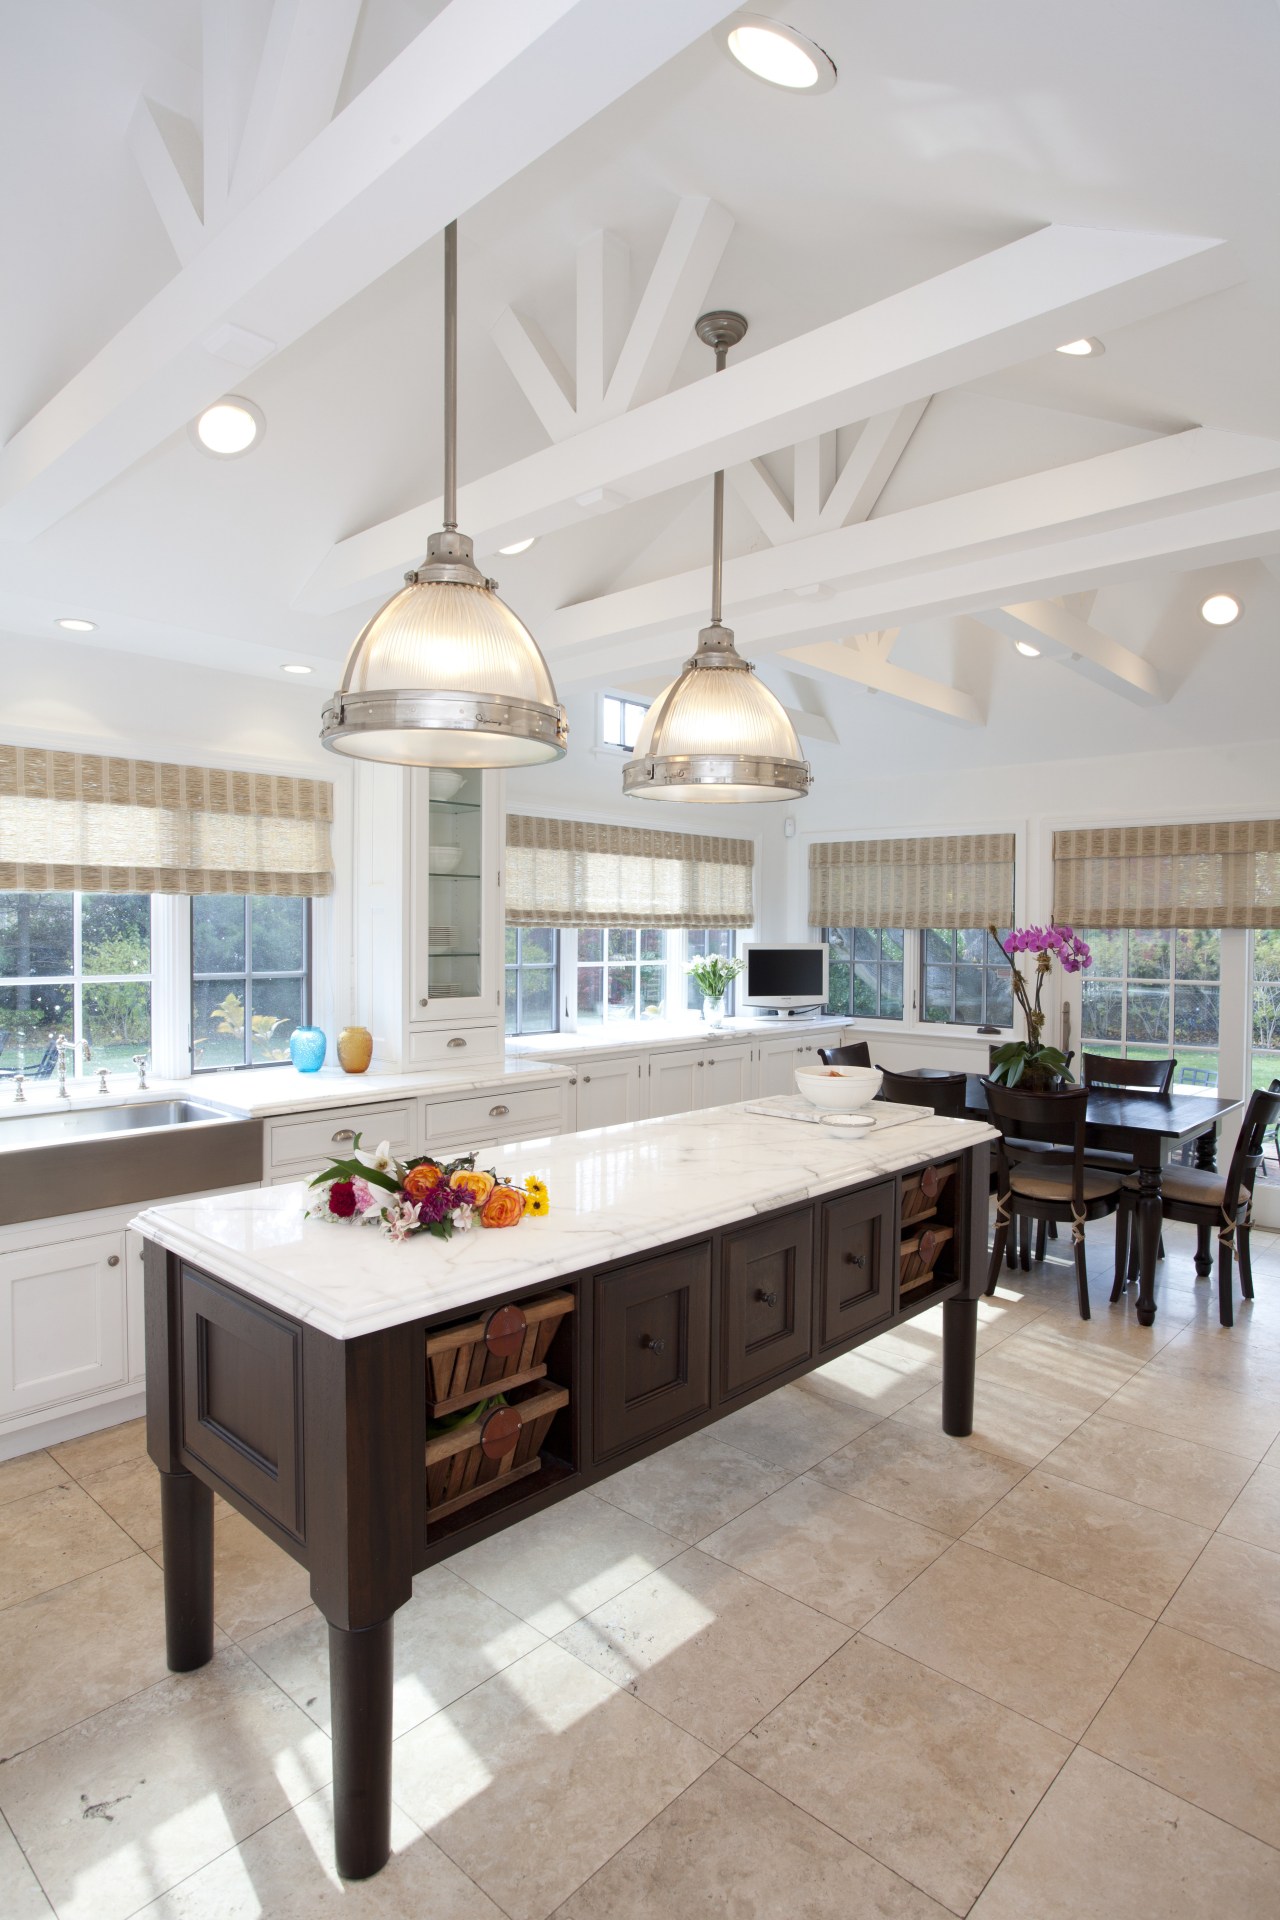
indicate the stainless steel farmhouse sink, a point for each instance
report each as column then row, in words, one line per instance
column 72, row 1160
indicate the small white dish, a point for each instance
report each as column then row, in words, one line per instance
column 839, row 1089
column 445, row 859
column 443, row 782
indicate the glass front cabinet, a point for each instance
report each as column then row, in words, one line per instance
column 455, row 847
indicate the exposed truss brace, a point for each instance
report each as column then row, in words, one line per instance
column 1062, row 635
column 821, row 498
column 616, row 369
column 864, row 659
column 992, row 312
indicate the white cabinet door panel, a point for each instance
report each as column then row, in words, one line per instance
column 62, row 1321
column 608, row 1092
column 675, row 1081
column 726, row 1076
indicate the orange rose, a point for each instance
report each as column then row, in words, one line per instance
column 503, row 1208
column 471, row 1180
column 420, row 1180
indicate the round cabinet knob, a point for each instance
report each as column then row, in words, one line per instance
column 423, row 1002
column 573, row 1079
column 113, row 1259
column 586, row 1079
column 855, row 1260
column 766, row 1299
column 711, row 1063
column 654, row 1346
column 499, row 1113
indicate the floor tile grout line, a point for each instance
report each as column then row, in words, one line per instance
column 60, row 1586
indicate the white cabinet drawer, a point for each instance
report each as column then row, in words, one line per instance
column 454, row 1046
column 310, row 1142
column 504, row 1112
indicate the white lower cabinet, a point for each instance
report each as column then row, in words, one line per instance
column 780, row 1058
column 609, row 1092
column 727, row 1076
column 675, row 1080
column 64, row 1311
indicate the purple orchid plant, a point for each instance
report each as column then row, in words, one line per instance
column 1029, row 1061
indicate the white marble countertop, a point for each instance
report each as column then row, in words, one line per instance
column 614, row 1192
column 636, row 1035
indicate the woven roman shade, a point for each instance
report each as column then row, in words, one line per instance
column 79, row 822
column 576, row 873
column 961, row 880
column 1218, row 874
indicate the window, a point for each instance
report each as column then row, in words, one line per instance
column 250, row 978
column 865, row 971
column 620, row 721
column 77, row 964
column 700, row 941
column 1152, row 994
column 533, row 972
column 1265, row 982
column 622, row 973
column 965, row 978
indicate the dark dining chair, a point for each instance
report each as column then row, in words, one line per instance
column 1124, row 1076
column 944, row 1092
column 856, row 1054
column 1053, row 1183
column 1212, row 1201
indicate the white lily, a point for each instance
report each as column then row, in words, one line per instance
column 382, row 1160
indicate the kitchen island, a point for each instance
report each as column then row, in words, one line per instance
column 688, row 1266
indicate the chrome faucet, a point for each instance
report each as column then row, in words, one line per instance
column 65, row 1047
column 140, row 1062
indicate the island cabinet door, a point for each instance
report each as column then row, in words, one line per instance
column 653, row 1347
column 766, row 1300
column 856, row 1262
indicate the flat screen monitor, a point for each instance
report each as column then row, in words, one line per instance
column 785, row 978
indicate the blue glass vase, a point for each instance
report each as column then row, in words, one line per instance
column 306, row 1049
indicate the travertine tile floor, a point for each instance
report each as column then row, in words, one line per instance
column 818, row 1663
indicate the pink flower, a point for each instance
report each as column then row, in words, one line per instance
column 364, row 1195
column 402, row 1220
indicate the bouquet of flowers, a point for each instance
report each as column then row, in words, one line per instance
column 1029, row 1061
column 421, row 1195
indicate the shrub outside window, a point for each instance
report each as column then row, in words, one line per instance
column 865, row 971
column 1150, row 994
column 77, row 964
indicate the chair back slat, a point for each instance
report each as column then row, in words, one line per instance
column 1131, row 1076
column 856, row 1054
column 945, row 1093
column 1056, row 1119
column 1262, row 1113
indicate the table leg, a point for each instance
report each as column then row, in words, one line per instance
column 360, row 1705
column 959, row 1354
column 1207, row 1151
column 186, row 1520
column 1149, row 1220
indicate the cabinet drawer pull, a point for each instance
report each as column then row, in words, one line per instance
column 113, row 1259
column 855, row 1260
column 499, row 1113
column 457, row 1040
column 654, row 1346
column 344, row 1133
column 766, row 1299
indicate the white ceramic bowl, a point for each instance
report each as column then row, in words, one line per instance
column 443, row 782
column 841, row 1089
column 445, row 859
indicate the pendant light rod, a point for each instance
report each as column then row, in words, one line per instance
column 451, row 377
column 721, row 331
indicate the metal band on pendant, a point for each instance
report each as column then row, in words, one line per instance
column 414, row 709
column 777, row 779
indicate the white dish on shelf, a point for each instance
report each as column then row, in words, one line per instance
column 445, row 859
column 443, row 782
column 839, row 1089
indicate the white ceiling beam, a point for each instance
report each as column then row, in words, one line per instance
column 460, row 111
column 822, row 499
column 865, row 474
column 765, row 501
column 1065, row 637
column 1004, row 307
column 538, row 371
column 154, row 134
column 603, row 287
column 868, row 668
column 670, row 303
column 889, row 569
column 296, row 87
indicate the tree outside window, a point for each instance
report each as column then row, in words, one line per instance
column 966, row 979
column 1265, row 982
column 865, row 971
column 76, row 964
column 1153, row 993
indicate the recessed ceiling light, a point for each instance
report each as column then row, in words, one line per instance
column 295, row 667
column 1025, row 647
column 1081, row 349
column 78, row 626
column 229, row 427
column 519, row 546
column 1220, row 609
column 777, row 53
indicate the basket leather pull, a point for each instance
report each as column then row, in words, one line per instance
column 501, row 1429
column 504, row 1332
column 930, row 1184
column 928, row 1249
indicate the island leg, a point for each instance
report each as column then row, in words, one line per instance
column 186, row 1519
column 1150, row 1219
column 959, row 1356
column 360, row 1704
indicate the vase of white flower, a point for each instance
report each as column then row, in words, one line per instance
column 713, row 977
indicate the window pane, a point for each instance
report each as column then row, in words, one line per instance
column 891, row 993
column 892, row 944
column 939, row 944
column 937, row 993
column 969, row 994
column 1148, row 956
column 590, row 993
column 866, row 991
column 1266, row 1007
column 115, row 933
column 1101, row 1010
column 537, row 1000
column 994, row 956
column 622, row 943
column 652, row 943
column 611, row 721
column 999, row 998
column 217, row 933
column 38, row 1013
column 1148, row 1015
column 35, row 934
column 1197, row 953
column 538, row 946
column 217, row 1023
column 866, row 943
column 278, row 939
column 509, row 1005
column 1195, row 1016
column 622, row 993
column 513, row 946
column 591, row 944
column 971, row 944
column 1107, row 949
column 117, row 1021
column 277, row 1010
column 839, row 940
column 633, row 713
column 653, row 989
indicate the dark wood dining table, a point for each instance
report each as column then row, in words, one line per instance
column 1149, row 1127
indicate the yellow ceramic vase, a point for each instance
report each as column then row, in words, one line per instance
column 355, row 1049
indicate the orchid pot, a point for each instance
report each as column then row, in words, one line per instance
column 1029, row 1063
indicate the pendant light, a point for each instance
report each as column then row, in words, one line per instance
column 717, row 733
column 445, row 675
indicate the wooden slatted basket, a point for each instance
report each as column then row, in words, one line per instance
column 918, row 1255
column 503, row 1349
column 922, row 1191
column 471, row 1462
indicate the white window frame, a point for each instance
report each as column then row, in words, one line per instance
column 77, row 1067
column 519, row 967
column 609, row 746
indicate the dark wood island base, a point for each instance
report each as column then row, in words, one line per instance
column 319, row 1441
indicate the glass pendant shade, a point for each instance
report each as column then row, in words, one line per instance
column 717, row 733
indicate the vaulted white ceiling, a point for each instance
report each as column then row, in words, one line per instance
column 248, row 199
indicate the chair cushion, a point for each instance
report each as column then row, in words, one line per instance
column 1193, row 1186
column 1054, row 1183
